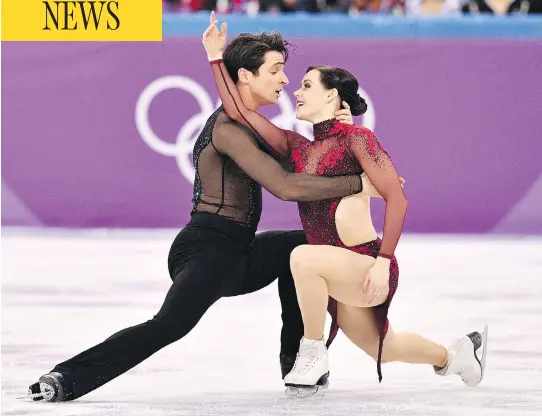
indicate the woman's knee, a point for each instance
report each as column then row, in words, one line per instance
column 300, row 259
column 390, row 351
column 388, row 355
column 370, row 346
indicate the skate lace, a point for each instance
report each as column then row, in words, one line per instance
column 306, row 359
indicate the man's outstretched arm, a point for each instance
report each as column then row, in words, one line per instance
column 237, row 142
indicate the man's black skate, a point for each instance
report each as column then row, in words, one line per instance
column 48, row 388
column 286, row 364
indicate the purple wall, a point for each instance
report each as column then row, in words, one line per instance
column 88, row 140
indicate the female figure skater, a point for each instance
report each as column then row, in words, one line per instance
column 345, row 267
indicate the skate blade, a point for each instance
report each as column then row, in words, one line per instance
column 307, row 391
column 35, row 396
column 484, row 352
column 46, row 394
column 304, row 392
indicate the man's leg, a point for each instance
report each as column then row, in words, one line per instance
column 197, row 285
column 270, row 258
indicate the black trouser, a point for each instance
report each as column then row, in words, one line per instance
column 212, row 257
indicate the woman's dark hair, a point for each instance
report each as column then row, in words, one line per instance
column 345, row 83
column 247, row 51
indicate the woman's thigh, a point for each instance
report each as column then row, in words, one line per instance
column 343, row 270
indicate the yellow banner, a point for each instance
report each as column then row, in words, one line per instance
column 94, row 20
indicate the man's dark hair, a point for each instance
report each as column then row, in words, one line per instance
column 247, row 51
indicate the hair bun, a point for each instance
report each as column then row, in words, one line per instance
column 359, row 106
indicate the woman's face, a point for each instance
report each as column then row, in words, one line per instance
column 312, row 97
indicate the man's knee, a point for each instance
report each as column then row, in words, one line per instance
column 172, row 329
column 291, row 239
column 298, row 238
column 179, row 315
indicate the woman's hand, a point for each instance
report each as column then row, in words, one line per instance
column 213, row 39
column 376, row 284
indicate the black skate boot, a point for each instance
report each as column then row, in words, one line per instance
column 48, row 388
column 286, row 363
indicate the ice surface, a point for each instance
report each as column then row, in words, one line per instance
column 64, row 292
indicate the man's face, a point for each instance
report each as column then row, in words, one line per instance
column 266, row 86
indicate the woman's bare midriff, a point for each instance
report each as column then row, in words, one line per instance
column 353, row 220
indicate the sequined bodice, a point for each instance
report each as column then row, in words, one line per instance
column 328, row 155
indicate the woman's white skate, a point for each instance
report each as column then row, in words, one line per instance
column 310, row 374
column 467, row 358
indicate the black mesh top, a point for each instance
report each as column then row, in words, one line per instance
column 231, row 167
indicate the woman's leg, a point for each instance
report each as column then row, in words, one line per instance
column 323, row 271
column 466, row 358
column 320, row 272
column 359, row 326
